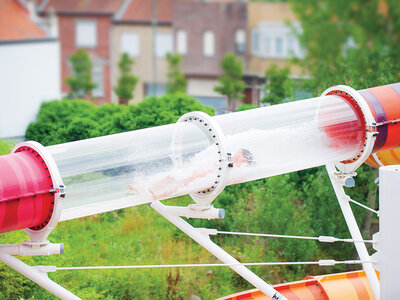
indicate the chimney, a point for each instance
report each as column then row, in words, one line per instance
column 52, row 23
column 30, row 5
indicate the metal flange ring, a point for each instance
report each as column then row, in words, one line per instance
column 41, row 234
column 215, row 134
column 356, row 100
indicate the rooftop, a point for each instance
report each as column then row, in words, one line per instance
column 82, row 6
column 16, row 24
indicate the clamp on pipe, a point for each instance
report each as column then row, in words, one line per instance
column 360, row 105
column 40, row 233
column 216, row 136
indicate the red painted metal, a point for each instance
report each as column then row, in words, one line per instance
column 26, row 191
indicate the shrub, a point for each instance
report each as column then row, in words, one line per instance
column 71, row 120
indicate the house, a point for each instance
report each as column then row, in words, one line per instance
column 29, row 65
column 86, row 25
column 203, row 33
column 133, row 33
column 272, row 28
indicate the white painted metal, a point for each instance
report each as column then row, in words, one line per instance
column 321, row 262
column 37, row 276
column 353, row 228
column 205, row 241
column 192, row 211
column 28, row 250
column 216, row 135
column 389, row 231
column 41, row 235
column 370, row 124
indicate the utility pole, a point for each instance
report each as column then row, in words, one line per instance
column 154, row 60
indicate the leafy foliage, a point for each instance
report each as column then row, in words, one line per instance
column 231, row 83
column 80, row 82
column 350, row 42
column 245, row 106
column 126, row 81
column 176, row 81
column 279, row 86
column 71, row 120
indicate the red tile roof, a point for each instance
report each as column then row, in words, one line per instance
column 15, row 23
column 142, row 11
column 84, row 6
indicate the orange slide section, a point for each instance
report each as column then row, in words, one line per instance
column 341, row 286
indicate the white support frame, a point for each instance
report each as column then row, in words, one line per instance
column 201, row 236
column 37, row 274
column 339, row 172
column 351, row 222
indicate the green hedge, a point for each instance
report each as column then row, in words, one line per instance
column 71, row 120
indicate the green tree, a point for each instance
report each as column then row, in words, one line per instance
column 176, row 81
column 80, row 82
column 354, row 43
column 350, row 42
column 278, row 85
column 231, row 83
column 126, row 81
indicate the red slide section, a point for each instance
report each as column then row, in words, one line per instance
column 26, row 191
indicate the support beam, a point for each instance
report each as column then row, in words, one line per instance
column 35, row 275
column 201, row 237
column 362, row 251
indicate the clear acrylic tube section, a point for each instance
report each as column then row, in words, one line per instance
column 127, row 169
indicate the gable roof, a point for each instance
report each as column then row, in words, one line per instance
column 16, row 24
column 100, row 7
column 141, row 11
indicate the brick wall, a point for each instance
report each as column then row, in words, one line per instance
column 101, row 52
column 196, row 18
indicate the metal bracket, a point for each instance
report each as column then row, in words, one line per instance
column 59, row 194
column 216, row 136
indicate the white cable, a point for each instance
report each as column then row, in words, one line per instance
column 364, row 206
column 322, row 238
column 322, row 262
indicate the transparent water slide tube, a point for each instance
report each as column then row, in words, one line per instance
column 127, row 169
column 121, row 170
column 292, row 136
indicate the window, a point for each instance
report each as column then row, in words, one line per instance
column 181, row 42
column 255, row 40
column 130, row 44
column 155, row 89
column 267, row 45
column 279, row 46
column 240, row 41
column 86, row 33
column 164, row 44
column 97, row 78
column 291, row 46
column 208, row 43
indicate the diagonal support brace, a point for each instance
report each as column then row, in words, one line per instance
column 202, row 237
column 37, row 275
column 362, row 251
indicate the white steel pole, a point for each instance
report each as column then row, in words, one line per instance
column 203, row 239
column 362, row 251
column 389, row 231
column 40, row 278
